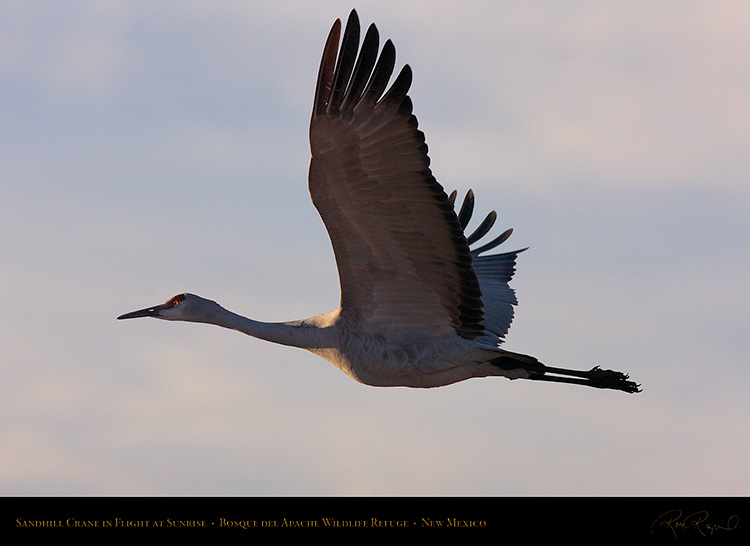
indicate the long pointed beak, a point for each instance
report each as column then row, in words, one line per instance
column 148, row 312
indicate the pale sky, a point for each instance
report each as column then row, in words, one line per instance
column 151, row 148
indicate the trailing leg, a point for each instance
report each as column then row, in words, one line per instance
column 595, row 377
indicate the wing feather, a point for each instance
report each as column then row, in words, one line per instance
column 494, row 273
column 400, row 250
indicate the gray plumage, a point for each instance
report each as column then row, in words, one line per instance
column 419, row 307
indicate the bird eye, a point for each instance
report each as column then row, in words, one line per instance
column 175, row 302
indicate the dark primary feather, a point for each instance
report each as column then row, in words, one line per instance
column 494, row 272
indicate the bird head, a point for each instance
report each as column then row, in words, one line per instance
column 185, row 307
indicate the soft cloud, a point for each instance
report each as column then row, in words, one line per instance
column 153, row 149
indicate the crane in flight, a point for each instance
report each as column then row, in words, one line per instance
column 419, row 307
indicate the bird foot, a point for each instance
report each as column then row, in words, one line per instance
column 610, row 379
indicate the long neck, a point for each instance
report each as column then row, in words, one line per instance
column 314, row 333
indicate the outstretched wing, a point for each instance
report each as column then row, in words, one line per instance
column 494, row 273
column 400, row 250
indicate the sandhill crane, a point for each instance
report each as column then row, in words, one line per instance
column 418, row 308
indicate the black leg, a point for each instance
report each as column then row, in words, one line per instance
column 595, row 377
